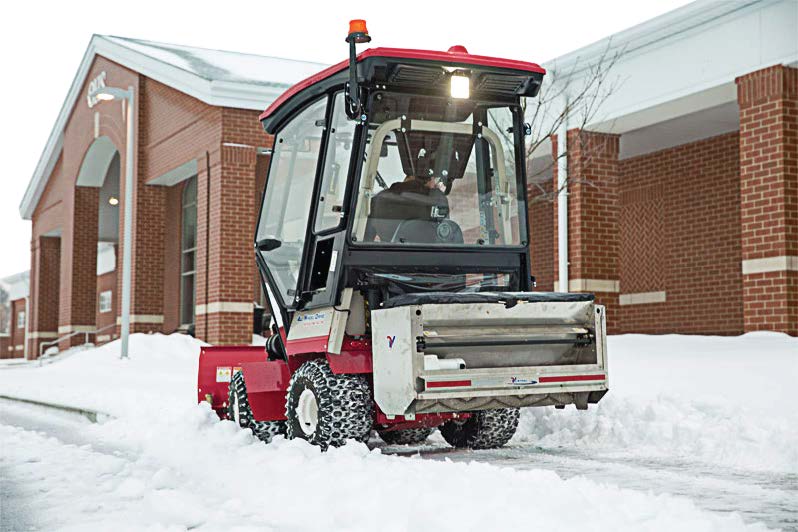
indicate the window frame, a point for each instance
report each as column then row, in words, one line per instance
column 102, row 309
column 346, row 169
column 520, row 186
column 184, row 251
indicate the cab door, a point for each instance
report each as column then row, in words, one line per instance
column 281, row 236
column 328, row 226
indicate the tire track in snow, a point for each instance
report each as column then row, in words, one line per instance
column 767, row 497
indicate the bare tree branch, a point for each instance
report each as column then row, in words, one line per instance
column 574, row 98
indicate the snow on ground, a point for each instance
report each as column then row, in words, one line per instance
column 166, row 463
column 724, row 401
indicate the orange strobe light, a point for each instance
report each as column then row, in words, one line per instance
column 358, row 31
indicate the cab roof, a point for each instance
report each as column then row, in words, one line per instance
column 502, row 76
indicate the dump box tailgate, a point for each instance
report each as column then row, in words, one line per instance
column 455, row 352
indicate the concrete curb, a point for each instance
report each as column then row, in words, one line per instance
column 91, row 415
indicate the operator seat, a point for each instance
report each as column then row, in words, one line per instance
column 407, row 200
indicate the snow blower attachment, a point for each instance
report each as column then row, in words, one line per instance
column 393, row 247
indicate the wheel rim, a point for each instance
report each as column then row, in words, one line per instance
column 236, row 410
column 307, row 412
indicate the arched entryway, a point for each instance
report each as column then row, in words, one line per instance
column 88, row 276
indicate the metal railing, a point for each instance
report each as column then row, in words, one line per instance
column 86, row 334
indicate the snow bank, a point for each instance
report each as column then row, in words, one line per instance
column 161, row 373
column 717, row 400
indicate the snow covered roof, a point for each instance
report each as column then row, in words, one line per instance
column 16, row 285
column 216, row 77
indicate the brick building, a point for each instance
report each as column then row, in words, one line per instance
column 682, row 204
column 682, row 193
column 200, row 163
column 13, row 315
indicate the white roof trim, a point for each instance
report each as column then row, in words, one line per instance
column 685, row 18
column 217, row 93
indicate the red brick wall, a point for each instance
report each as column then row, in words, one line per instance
column 78, row 284
column 17, row 333
column 171, row 257
column 6, row 349
column 541, row 235
column 105, row 282
column 680, row 233
column 768, row 102
column 44, row 289
column 593, row 234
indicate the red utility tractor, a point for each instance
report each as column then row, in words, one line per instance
column 393, row 246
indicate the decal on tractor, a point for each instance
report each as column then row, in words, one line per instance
column 224, row 374
column 395, row 211
column 520, row 381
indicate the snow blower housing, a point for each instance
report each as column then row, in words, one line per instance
column 393, row 247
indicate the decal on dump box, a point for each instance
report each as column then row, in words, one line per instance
column 520, row 381
column 223, row 373
column 391, row 340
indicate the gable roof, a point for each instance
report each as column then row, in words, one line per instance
column 216, row 77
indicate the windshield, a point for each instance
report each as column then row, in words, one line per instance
column 439, row 172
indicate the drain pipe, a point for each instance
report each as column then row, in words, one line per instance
column 562, row 200
column 27, row 323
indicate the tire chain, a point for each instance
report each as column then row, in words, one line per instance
column 345, row 405
column 406, row 436
column 485, row 429
column 263, row 430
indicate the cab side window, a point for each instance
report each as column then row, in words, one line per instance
column 289, row 190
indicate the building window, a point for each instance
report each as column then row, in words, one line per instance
column 188, row 252
column 21, row 319
column 105, row 301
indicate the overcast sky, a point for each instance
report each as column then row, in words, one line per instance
column 42, row 44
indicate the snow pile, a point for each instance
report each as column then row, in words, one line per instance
column 161, row 373
column 721, row 401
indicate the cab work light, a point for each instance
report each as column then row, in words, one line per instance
column 460, row 86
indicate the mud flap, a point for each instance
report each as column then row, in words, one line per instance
column 267, row 384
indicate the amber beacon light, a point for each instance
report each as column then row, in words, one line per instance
column 358, row 31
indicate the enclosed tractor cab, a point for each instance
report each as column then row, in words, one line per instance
column 393, row 245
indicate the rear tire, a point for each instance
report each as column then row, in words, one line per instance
column 240, row 413
column 405, row 436
column 485, row 429
column 327, row 409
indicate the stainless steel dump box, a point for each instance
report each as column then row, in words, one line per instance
column 452, row 352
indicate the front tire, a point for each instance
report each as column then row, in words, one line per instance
column 405, row 436
column 240, row 412
column 485, row 429
column 327, row 409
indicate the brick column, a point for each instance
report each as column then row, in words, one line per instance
column 768, row 101
column 78, row 284
column 225, row 315
column 593, row 219
column 147, row 269
column 45, row 273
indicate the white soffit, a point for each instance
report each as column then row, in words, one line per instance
column 686, row 60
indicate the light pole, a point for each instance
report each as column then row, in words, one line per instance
column 107, row 94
